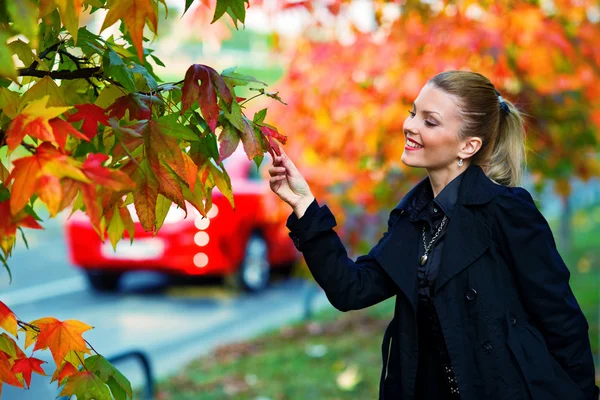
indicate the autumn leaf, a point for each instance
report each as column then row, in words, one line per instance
column 61, row 129
column 145, row 195
column 205, row 93
column 24, row 177
column 191, row 170
column 60, row 337
column 10, row 347
column 86, row 385
column 50, row 192
column 26, row 366
column 92, row 115
column 6, row 373
column 250, row 140
column 107, row 177
column 223, row 183
column 271, row 134
column 8, row 321
column 134, row 14
column 66, row 370
column 137, row 105
column 33, row 121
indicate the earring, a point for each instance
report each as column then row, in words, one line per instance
column 460, row 162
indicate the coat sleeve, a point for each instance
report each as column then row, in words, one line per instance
column 348, row 284
column 543, row 280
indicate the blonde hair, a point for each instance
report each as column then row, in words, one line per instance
column 503, row 153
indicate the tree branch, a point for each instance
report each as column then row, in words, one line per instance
column 83, row 73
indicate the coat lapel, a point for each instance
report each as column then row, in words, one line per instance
column 466, row 239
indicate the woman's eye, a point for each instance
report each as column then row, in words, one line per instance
column 412, row 113
column 430, row 124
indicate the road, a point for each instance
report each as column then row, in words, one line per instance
column 172, row 323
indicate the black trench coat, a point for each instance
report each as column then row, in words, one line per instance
column 512, row 326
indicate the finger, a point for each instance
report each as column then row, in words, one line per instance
column 277, row 178
column 288, row 163
column 276, row 170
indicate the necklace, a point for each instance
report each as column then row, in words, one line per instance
column 428, row 246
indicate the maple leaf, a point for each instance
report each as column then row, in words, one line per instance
column 116, row 381
column 86, row 385
column 145, row 195
column 60, row 337
column 33, row 121
column 50, row 192
column 108, row 177
column 9, row 224
column 229, row 139
column 66, row 370
column 91, row 115
column 6, row 373
column 235, row 8
column 204, row 92
column 134, row 14
column 8, row 321
column 272, row 135
column 251, row 140
column 10, row 347
column 25, row 175
column 61, row 129
column 26, row 366
column 137, row 105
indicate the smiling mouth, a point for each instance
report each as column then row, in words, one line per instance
column 412, row 144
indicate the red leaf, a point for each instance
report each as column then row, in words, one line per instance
column 61, row 129
column 98, row 174
column 64, row 372
column 204, row 92
column 91, row 115
column 138, row 106
column 26, row 366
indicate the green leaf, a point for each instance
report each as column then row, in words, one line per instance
column 106, row 371
column 236, row 79
column 115, row 230
column 169, row 125
column 260, row 116
column 157, row 60
column 7, row 66
column 138, row 69
column 116, row 68
column 116, row 390
column 86, row 386
column 188, row 3
column 235, row 8
column 223, row 183
column 24, row 238
column 235, row 116
column 162, row 209
column 24, row 15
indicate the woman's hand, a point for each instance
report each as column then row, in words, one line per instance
column 289, row 184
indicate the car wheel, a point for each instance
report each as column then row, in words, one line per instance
column 103, row 281
column 255, row 271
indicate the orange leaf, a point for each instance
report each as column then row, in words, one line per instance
column 25, row 174
column 65, row 371
column 134, row 14
column 145, row 195
column 8, row 321
column 191, row 171
column 50, row 192
column 6, row 373
column 92, row 206
column 60, row 337
column 26, row 366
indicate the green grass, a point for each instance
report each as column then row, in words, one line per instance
column 278, row 365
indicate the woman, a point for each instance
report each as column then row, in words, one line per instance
column 484, row 309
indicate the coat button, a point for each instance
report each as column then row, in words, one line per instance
column 471, row 294
column 296, row 242
column 487, row 348
column 513, row 320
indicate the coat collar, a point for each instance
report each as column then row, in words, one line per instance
column 475, row 188
column 467, row 237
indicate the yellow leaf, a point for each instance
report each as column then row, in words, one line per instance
column 134, row 14
column 69, row 15
column 7, row 65
column 45, row 87
column 9, row 102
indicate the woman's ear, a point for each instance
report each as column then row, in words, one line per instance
column 469, row 147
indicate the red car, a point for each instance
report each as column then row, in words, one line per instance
column 243, row 245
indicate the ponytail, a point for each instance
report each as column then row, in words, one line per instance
column 508, row 158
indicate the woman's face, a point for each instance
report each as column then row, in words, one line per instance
column 434, row 124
